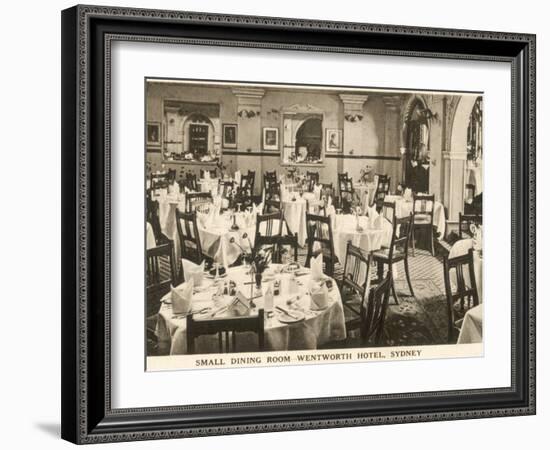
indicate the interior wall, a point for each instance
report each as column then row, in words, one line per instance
column 368, row 144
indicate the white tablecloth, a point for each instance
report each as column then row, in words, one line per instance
column 317, row 328
column 295, row 216
column 471, row 331
column 345, row 229
column 150, row 237
column 404, row 208
column 215, row 240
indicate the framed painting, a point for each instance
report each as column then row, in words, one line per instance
column 270, row 138
column 429, row 176
column 333, row 140
column 229, row 135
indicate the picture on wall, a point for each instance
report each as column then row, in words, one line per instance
column 271, row 138
column 229, row 135
column 153, row 134
column 333, row 140
column 282, row 304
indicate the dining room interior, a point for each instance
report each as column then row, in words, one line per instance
column 283, row 218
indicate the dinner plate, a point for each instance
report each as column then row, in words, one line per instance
column 283, row 318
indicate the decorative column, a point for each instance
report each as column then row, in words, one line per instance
column 392, row 130
column 353, row 131
column 455, row 164
column 249, row 133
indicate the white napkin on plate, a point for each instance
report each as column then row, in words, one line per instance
column 192, row 271
column 182, row 297
column 239, row 307
column 317, row 267
column 319, row 295
column 238, row 177
column 407, row 195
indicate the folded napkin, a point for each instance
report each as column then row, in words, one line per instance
column 239, row 306
column 268, row 299
column 319, row 295
column 238, row 177
column 317, row 267
column 192, row 271
column 407, row 195
column 317, row 191
column 206, row 174
column 378, row 223
column 182, row 297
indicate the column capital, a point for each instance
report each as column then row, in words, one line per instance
column 353, row 100
column 392, row 102
column 246, row 94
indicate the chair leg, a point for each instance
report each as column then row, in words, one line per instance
column 407, row 275
column 393, row 291
column 413, row 235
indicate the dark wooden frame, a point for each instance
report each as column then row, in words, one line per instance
column 87, row 35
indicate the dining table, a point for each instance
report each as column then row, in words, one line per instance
column 361, row 232
column 471, row 331
column 404, row 207
column 291, row 323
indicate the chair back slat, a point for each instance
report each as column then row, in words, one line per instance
column 373, row 312
column 461, row 291
column 188, row 234
column 319, row 230
column 160, row 275
column 225, row 326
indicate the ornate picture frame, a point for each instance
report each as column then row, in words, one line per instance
column 88, row 33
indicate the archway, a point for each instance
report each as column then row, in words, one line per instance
column 415, row 144
column 309, row 137
column 456, row 166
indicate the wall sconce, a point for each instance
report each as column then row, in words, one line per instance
column 353, row 117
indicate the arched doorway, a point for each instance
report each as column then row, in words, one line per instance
column 416, row 163
column 309, row 139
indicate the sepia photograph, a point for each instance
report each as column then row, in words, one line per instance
column 359, row 239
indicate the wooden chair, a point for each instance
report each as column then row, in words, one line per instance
column 190, row 182
column 268, row 228
column 373, row 313
column 423, row 218
column 319, row 229
column 312, row 178
column 152, row 216
column 160, row 275
column 465, row 292
column 382, row 189
column 286, row 244
column 271, row 176
column 188, row 234
column 194, row 199
column 355, row 282
column 162, row 180
column 247, row 182
column 347, row 193
column 465, row 221
column 388, row 211
column 397, row 252
column 225, row 188
column 224, row 327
